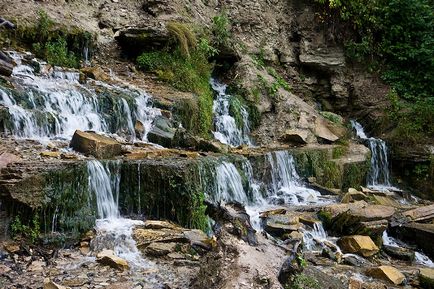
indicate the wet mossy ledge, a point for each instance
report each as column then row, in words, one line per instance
column 171, row 188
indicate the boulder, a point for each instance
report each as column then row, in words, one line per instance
column 6, row 64
column 184, row 139
column 353, row 195
column 139, row 129
column 162, row 132
column 399, row 253
column 295, row 136
column 425, row 213
column 95, row 72
column 152, row 35
column 91, row 143
column 426, row 278
column 158, row 249
column 323, row 133
column 358, row 244
column 386, row 273
column 417, row 234
column 108, row 258
column 279, row 224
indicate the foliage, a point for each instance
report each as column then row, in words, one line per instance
column 302, row 281
column 333, row 117
column 187, row 72
column 198, row 216
column 56, row 44
column 396, row 35
column 185, row 38
column 30, row 232
column 221, row 30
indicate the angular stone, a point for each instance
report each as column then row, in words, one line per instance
column 399, row 253
column 36, row 266
column 50, row 154
column 6, row 68
column 12, row 248
column 162, row 132
column 91, row 143
column 139, row 129
column 418, row 234
column 295, row 136
column 48, row 284
column 358, row 244
column 278, row 225
column 157, row 225
column 353, row 195
column 108, row 258
column 425, row 213
column 158, row 249
column 387, row 273
column 322, row 132
column 96, row 73
column 426, row 278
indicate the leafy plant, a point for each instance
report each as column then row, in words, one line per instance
column 302, row 281
column 31, row 232
column 221, row 29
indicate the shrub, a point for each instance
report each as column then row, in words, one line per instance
column 30, row 232
column 221, row 29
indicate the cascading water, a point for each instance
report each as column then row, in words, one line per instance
column 314, row 236
column 421, row 258
column 229, row 184
column 113, row 231
column 53, row 104
column 226, row 129
column 286, row 186
column 379, row 174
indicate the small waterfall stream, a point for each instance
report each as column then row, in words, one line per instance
column 53, row 104
column 227, row 130
column 421, row 258
column 379, row 174
column 113, row 231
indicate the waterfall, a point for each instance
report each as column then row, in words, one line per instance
column 379, row 174
column 113, row 231
column 229, row 184
column 286, row 186
column 421, row 258
column 314, row 236
column 52, row 103
column 226, row 128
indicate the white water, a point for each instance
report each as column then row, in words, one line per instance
column 314, row 236
column 226, row 129
column 379, row 174
column 113, row 231
column 421, row 258
column 286, row 185
column 229, row 184
column 54, row 104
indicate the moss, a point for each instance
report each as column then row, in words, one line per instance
column 339, row 151
column 325, row 217
column 355, row 174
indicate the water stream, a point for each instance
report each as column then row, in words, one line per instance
column 227, row 130
column 379, row 173
column 113, row 231
column 53, row 103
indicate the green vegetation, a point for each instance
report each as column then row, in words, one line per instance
column 30, row 232
column 302, row 281
column 50, row 41
column 198, row 218
column 221, row 30
column 186, row 68
column 396, row 37
column 333, row 117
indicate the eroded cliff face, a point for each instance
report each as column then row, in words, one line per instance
column 271, row 41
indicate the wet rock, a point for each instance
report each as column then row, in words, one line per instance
column 355, row 260
column 91, row 143
column 139, row 129
column 280, row 224
column 162, row 132
column 108, row 258
column 235, row 215
column 358, row 244
column 6, row 64
column 184, row 139
column 426, row 278
column 159, row 249
column 425, row 213
column 387, row 273
column 95, row 72
column 48, row 284
column 416, row 233
column 295, row 136
column 353, row 195
column 385, row 201
column 399, row 253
